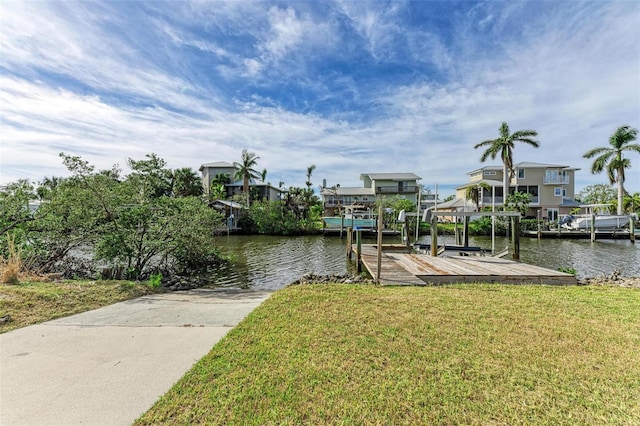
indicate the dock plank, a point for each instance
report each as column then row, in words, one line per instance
column 402, row 267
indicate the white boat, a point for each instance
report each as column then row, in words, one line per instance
column 599, row 213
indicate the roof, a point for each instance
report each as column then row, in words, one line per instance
column 457, row 203
column 217, row 165
column 525, row 165
column 355, row 190
column 570, row 203
column 530, row 165
column 256, row 182
column 391, row 176
column 231, row 204
column 489, row 182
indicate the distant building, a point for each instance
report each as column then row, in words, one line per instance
column 375, row 185
column 551, row 186
column 211, row 171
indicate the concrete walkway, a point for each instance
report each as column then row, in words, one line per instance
column 108, row 366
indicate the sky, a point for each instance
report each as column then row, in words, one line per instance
column 348, row 86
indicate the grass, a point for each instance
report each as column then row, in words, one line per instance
column 34, row 302
column 11, row 266
column 467, row 354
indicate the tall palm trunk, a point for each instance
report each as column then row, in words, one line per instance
column 505, row 183
column 620, row 191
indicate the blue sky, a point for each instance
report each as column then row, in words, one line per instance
column 350, row 87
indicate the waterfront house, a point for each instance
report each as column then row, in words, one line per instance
column 375, row 185
column 551, row 186
column 212, row 171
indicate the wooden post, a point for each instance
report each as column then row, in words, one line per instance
column 515, row 229
column 632, row 229
column 593, row 227
column 434, row 235
column 379, row 266
column 341, row 225
column 358, row 251
column 456, row 233
column 465, row 231
column 349, row 241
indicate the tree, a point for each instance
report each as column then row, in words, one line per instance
column 518, row 202
column 186, row 183
column 632, row 202
column 504, row 146
column 310, row 170
column 47, row 185
column 612, row 159
column 153, row 174
column 245, row 170
column 597, row 194
column 474, row 193
column 14, row 205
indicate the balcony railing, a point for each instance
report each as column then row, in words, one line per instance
column 391, row 189
column 334, row 203
column 557, row 180
column 486, row 201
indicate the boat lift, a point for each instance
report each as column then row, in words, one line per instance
column 431, row 216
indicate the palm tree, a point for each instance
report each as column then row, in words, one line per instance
column 245, row 170
column 474, row 193
column 612, row 159
column 186, row 183
column 504, row 145
column 310, row 170
column 632, row 202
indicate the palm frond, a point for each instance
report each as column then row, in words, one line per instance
column 597, row 151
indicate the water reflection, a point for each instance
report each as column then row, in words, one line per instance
column 269, row 263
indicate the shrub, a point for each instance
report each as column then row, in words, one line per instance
column 11, row 266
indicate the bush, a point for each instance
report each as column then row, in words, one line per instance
column 11, row 266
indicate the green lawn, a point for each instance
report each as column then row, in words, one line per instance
column 34, row 302
column 467, row 354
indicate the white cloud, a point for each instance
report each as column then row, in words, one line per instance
column 572, row 74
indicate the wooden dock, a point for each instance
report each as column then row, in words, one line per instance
column 400, row 266
column 582, row 234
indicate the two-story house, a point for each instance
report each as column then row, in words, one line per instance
column 551, row 187
column 375, row 185
column 213, row 171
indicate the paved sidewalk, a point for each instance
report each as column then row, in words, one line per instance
column 108, row 366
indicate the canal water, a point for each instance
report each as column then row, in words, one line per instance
column 269, row 263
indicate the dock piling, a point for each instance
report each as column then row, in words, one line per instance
column 434, row 235
column 359, row 251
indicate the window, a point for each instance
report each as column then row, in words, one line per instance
column 559, row 192
column 489, row 173
column 552, row 214
column 520, row 173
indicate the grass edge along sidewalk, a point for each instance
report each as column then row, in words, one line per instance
column 460, row 354
column 33, row 302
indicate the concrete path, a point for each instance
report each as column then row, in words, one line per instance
column 108, row 366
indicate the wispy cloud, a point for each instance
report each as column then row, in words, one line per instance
column 349, row 87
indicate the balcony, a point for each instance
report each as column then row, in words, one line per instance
column 334, row 203
column 556, row 180
column 395, row 189
column 486, row 201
